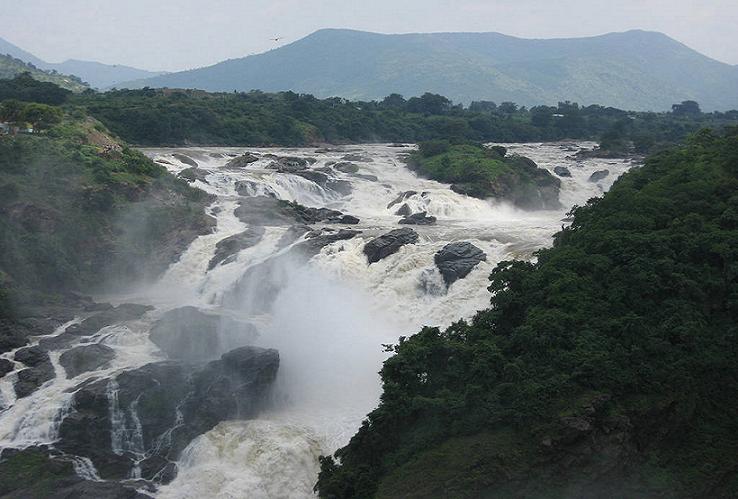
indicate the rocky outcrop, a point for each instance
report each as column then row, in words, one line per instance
column 182, row 158
column 93, row 324
column 86, row 358
column 388, row 244
column 145, row 417
column 6, row 366
column 346, row 167
column 192, row 335
column 421, row 218
column 357, row 158
column 401, row 197
column 599, row 175
column 38, row 372
column 192, row 174
column 404, row 210
column 227, row 249
column 562, row 171
column 342, row 187
column 36, row 472
column 289, row 164
column 456, row 260
column 242, row 161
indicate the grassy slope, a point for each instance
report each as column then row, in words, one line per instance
column 10, row 67
column 78, row 206
column 608, row 368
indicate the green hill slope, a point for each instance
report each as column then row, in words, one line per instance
column 11, row 67
column 633, row 70
column 607, row 368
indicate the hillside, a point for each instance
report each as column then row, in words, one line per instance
column 11, row 67
column 607, row 368
column 633, row 70
column 96, row 74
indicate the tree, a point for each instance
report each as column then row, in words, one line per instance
column 41, row 116
column 686, row 108
column 395, row 101
column 429, row 103
column 482, row 106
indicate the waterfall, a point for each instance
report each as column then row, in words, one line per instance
column 328, row 316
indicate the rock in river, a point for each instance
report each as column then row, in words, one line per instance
column 456, row 260
column 387, row 244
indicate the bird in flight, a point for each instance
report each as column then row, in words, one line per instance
column 276, row 39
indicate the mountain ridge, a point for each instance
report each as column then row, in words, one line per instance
column 96, row 74
column 637, row 69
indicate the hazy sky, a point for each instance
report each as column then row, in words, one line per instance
column 179, row 34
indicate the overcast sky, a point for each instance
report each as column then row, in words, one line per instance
column 179, row 34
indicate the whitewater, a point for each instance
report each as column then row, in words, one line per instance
column 329, row 317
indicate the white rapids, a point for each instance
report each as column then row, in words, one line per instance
column 330, row 316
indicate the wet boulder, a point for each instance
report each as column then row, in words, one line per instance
column 190, row 334
column 32, row 356
column 6, row 366
column 121, row 313
column 421, row 218
column 562, row 171
column 388, row 244
column 401, row 197
column 183, row 158
column 289, row 164
column 30, row 379
column 404, row 210
column 192, row 174
column 242, row 161
column 357, row 158
column 342, row 187
column 158, row 409
column 86, row 358
column 227, row 249
column 346, row 167
column 599, row 175
column 456, row 260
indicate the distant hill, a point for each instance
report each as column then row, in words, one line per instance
column 96, row 74
column 633, row 70
column 10, row 67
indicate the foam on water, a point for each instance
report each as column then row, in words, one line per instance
column 328, row 320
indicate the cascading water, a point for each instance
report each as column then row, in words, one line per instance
column 327, row 317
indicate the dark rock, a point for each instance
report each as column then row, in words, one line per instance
column 349, row 220
column 31, row 356
column 34, row 472
column 401, row 197
column 156, row 410
column 290, row 164
column 387, row 244
column 58, row 342
column 192, row 174
column 421, row 218
column 250, row 188
column 33, row 377
column 599, row 175
column 404, row 210
column 121, row 313
column 228, row 248
column 310, row 215
column 86, row 358
column 357, row 158
column 12, row 335
column 342, row 187
column 456, row 260
column 6, row 366
column 312, row 245
column 562, row 171
column 266, row 211
column 370, row 178
column 346, row 167
column 182, row 158
column 190, row 334
column 242, row 161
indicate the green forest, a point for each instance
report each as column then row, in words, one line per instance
column 606, row 368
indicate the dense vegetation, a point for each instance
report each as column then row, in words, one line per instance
column 632, row 70
column 482, row 172
column 77, row 207
column 179, row 117
column 10, row 67
column 607, row 368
